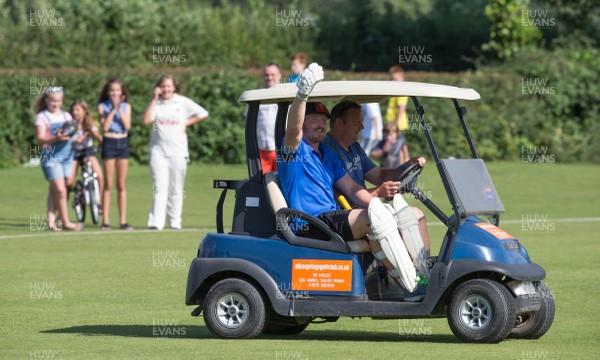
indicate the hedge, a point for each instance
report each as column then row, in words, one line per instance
column 536, row 104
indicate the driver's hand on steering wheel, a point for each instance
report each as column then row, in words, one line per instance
column 388, row 189
column 421, row 160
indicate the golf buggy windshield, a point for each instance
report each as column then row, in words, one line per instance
column 472, row 187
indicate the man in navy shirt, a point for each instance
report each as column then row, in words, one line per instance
column 342, row 139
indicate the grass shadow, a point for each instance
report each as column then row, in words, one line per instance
column 145, row 331
column 15, row 223
column 201, row 332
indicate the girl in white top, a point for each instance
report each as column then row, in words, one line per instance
column 171, row 114
column 56, row 154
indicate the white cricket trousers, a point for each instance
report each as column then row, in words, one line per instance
column 168, row 177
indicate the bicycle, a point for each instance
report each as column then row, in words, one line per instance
column 86, row 191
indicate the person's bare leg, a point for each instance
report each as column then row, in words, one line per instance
column 60, row 191
column 109, row 171
column 359, row 223
column 375, row 248
column 122, row 166
column 51, row 207
column 71, row 179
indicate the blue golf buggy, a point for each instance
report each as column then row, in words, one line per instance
column 261, row 277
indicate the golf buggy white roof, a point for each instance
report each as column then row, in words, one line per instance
column 359, row 91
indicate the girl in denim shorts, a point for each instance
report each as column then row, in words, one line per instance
column 55, row 154
column 115, row 116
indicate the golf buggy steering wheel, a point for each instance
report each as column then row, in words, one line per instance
column 408, row 178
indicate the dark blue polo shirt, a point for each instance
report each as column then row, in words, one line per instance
column 307, row 179
column 356, row 162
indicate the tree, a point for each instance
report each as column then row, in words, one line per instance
column 512, row 27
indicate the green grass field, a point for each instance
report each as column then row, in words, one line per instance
column 97, row 295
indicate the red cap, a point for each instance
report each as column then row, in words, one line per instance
column 316, row 108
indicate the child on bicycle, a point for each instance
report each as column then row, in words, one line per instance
column 83, row 143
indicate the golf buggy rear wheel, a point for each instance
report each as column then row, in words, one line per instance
column 481, row 311
column 234, row 309
column 535, row 325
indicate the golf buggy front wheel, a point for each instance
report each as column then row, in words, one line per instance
column 234, row 309
column 535, row 325
column 481, row 311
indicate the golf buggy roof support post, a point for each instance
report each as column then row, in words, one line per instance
column 462, row 111
column 254, row 166
column 280, row 124
column 452, row 225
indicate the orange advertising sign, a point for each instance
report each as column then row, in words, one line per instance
column 494, row 230
column 328, row 275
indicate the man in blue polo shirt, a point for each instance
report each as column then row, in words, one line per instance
column 308, row 171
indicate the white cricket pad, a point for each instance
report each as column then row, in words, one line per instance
column 408, row 224
column 385, row 231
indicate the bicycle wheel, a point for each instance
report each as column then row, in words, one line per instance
column 79, row 202
column 93, row 194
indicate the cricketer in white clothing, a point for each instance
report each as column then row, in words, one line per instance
column 170, row 115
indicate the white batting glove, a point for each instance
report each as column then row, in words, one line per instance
column 308, row 79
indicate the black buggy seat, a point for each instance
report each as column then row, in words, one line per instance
column 283, row 215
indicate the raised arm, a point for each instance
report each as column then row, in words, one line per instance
column 293, row 133
column 308, row 79
column 105, row 121
column 126, row 117
column 147, row 116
